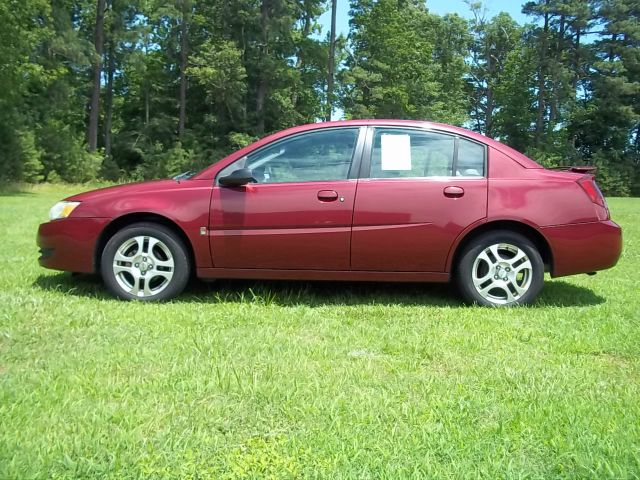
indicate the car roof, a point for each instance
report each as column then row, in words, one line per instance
column 523, row 160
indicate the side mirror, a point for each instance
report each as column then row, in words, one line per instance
column 237, row 178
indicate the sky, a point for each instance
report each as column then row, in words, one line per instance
column 513, row 7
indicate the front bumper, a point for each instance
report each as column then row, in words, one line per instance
column 584, row 247
column 69, row 244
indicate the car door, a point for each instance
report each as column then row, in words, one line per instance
column 298, row 213
column 420, row 189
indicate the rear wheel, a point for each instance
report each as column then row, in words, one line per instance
column 500, row 268
column 145, row 261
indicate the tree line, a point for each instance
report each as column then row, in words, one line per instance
column 134, row 89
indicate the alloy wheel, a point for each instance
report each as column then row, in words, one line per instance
column 143, row 266
column 502, row 273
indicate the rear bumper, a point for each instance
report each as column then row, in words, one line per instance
column 584, row 247
column 69, row 244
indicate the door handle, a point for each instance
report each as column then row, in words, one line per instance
column 453, row 192
column 327, row 195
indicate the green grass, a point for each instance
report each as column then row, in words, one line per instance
column 313, row 380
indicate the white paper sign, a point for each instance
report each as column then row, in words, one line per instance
column 396, row 152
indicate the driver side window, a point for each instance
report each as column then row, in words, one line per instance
column 323, row 155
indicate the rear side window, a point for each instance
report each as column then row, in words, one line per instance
column 405, row 153
column 470, row 159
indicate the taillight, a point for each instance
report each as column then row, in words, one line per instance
column 589, row 186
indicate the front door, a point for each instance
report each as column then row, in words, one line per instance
column 298, row 213
column 420, row 190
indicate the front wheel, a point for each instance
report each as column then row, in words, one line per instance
column 145, row 261
column 500, row 268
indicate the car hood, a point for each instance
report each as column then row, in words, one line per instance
column 127, row 189
column 170, row 198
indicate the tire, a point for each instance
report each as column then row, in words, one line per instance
column 500, row 268
column 145, row 261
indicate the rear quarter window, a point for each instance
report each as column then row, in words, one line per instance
column 471, row 159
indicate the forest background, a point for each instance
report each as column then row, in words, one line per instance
column 125, row 90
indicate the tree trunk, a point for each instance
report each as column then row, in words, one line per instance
column 553, row 106
column 306, row 30
column 108, row 100
column 94, row 106
column 244, row 62
column 491, row 74
column 614, row 39
column 147, row 101
column 576, row 63
column 263, row 82
column 184, row 61
column 488, row 120
column 332, row 61
column 542, row 69
column 554, row 101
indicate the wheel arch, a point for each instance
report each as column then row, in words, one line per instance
column 123, row 221
column 529, row 231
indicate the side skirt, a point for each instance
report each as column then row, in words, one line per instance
column 347, row 275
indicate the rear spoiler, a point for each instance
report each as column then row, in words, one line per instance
column 577, row 169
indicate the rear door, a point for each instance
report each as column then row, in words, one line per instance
column 419, row 189
column 298, row 214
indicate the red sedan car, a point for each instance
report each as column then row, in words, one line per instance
column 382, row 200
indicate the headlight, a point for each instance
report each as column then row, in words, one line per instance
column 62, row 210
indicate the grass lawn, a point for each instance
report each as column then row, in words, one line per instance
column 311, row 380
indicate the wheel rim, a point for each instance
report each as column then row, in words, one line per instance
column 143, row 266
column 502, row 273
